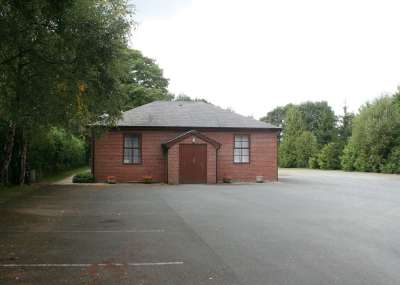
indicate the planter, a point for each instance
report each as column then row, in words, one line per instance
column 111, row 180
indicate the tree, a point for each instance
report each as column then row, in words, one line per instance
column 292, row 129
column 319, row 119
column 144, row 81
column 60, row 65
column 184, row 97
column 277, row 115
column 345, row 126
column 328, row 157
column 305, row 147
column 375, row 135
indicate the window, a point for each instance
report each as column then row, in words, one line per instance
column 132, row 149
column 241, row 149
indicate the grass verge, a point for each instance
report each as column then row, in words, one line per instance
column 12, row 192
column 62, row 175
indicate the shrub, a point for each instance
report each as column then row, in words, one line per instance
column 376, row 130
column 313, row 162
column 348, row 158
column 83, row 177
column 227, row 179
column 147, row 179
column 392, row 164
column 305, row 147
column 55, row 150
column 328, row 157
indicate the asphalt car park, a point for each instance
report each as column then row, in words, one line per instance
column 311, row 227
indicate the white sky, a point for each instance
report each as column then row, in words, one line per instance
column 254, row 55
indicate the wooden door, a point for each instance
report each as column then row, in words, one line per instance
column 192, row 163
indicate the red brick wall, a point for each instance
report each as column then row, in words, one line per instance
column 108, row 157
column 263, row 156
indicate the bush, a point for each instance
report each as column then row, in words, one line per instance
column 313, row 162
column 305, row 147
column 392, row 164
column 84, row 177
column 376, row 130
column 227, row 179
column 147, row 179
column 56, row 150
column 328, row 157
column 348, row 158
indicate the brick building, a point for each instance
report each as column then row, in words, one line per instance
column 186, row 142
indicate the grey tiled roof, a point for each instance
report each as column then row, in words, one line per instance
column 187, row 114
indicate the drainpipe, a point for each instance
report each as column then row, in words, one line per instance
column 216, row 165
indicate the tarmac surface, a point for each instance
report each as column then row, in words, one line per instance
column 311, row 227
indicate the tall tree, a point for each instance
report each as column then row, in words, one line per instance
column 184, row 97
column 320, row 120
column 375, row 136
column 345, row 125
column 277, row 115
column 144, row 81
column 293, row 128
column 60, row 64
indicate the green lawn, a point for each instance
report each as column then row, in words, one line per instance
column 8, row 193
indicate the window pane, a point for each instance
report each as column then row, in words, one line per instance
column 131, row 141
column 245, row 151
column 135, row 141
column 245, row 159
column 136, row 156
column 128, row 155
column 128, row 141
column 238, row 143
column 237, row 159
column 237, row 152
column 245, row 143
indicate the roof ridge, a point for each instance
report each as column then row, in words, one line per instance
column 196, row 114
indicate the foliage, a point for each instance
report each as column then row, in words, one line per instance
column 319, row 119
column 376, row 133
column 60, row 60
column 305, row 147
column 144, row 81
column 277, row 115
column 184, row 97
column 345, row 126
column 328, row 157
column 83, row 177
column 56, row 150
column 348, row 157
column 313, row 162
column 61, row 65
column 392, row 164
column 294, row 126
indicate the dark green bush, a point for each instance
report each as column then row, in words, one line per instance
column 329, row 156
column 56, row 150
column 392, row 164
column 313, row 162
column 84, row 177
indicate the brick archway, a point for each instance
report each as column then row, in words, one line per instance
column 204, row 155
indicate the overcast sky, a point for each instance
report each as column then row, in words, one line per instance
column 255, row 55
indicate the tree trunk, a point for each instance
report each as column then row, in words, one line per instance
column 23, row 153
column 7, row 153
